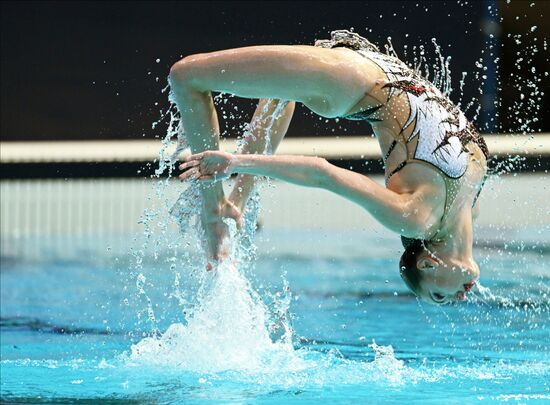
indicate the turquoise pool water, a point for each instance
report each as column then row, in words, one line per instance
column 332, row 328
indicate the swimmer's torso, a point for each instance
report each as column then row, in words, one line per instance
column 416, row 125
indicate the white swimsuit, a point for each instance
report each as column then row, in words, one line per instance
column 441, row 130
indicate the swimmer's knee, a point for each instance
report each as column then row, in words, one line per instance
column 184, row 73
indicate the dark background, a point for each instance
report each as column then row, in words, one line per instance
column 89, row 70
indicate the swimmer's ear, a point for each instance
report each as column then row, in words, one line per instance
column 427, row 264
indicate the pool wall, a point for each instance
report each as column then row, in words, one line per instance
column 39, row 215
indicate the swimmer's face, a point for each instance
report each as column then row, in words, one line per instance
column 445, row 279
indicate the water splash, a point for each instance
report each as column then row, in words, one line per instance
column 226, row 331
column 387, row 366
column 486, row 296
column 226, row 325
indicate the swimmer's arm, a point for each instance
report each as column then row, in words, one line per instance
column 262, row 121
column 406, row 214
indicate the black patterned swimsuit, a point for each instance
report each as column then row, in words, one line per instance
column 440, row 130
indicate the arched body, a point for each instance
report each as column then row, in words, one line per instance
column 427, row 198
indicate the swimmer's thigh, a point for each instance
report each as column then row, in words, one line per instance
column 328, row 81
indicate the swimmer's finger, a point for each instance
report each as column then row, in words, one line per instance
column 196, row 156
column 190, row 174
column 190, row 163
column 187, row 176
column 210, row 178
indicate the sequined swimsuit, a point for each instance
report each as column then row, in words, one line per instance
column 440, row 130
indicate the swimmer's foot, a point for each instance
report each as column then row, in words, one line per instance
column 230, row 210
column 217, row 232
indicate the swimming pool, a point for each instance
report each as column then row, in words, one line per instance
column 337, row 326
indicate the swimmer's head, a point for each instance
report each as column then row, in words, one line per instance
column 433, row 276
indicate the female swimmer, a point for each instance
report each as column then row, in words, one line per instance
column 435, row 161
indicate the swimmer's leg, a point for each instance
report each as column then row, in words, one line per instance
column 264, row 120
column 327, row 81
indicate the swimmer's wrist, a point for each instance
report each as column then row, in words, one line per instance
column 249, row 164
column 233, row 166
column 239, row 163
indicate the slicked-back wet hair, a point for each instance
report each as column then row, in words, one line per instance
column 408, row 269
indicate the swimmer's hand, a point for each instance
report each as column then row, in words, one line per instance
column 208, row 166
